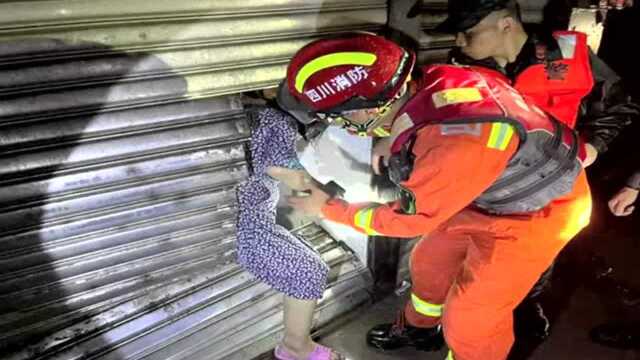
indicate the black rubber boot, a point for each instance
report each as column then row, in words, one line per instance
column 400, row 334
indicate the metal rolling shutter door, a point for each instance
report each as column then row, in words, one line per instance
column 121, row 141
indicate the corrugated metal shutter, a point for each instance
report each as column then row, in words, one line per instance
column 434, row 47
column 120, row 146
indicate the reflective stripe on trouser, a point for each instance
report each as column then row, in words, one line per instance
column 434, row 267
column 481, row 266
column 426, row 308
column 450, row 355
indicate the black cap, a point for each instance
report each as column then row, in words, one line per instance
column 465, row 14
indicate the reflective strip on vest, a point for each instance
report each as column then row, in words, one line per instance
column 363, row 220
column 455, row 96
column 426, row 308
column 450, row 355
column 501, row 134
column 332, row 60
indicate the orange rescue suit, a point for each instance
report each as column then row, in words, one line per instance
column 471, row 268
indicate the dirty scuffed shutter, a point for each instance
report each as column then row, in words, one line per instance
column 122, row 138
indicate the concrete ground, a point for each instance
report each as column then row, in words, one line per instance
column 569, row 339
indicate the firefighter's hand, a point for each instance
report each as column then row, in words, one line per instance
column 381, row 153
column 294, row 179
column 621, row 204
column 312, row 203
column 592, row 155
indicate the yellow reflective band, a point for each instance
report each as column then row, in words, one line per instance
column 450, row 355
column 331, row 60
column 501, row 134
column 363, row 219
column 455, row 96
column 381, row 132
column 426, row 308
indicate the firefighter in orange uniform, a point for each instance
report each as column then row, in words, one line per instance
column 493, row 185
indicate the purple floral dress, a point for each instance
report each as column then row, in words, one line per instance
column 266, row 249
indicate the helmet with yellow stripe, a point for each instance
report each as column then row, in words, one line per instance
column 333, row 77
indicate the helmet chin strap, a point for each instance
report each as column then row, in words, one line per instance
column 371, row 126
column 376, row 126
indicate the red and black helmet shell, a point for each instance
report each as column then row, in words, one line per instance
column 351, row 72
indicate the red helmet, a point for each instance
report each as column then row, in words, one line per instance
column 355, row 71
